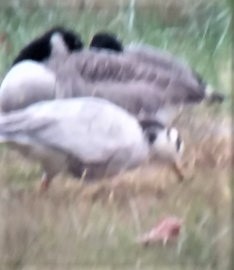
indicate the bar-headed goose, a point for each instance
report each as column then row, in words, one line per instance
column 29, row 80
column 88, row 136
column 197, row 89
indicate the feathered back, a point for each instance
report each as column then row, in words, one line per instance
column 159, row 59
column 110, row 69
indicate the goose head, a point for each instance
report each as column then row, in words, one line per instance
column 165, row 144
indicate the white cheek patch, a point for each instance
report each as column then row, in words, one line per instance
column 176, row 140
column 174, row 134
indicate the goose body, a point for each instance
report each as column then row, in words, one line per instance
column 87, row 135
column 107, row 71
column 195, row 90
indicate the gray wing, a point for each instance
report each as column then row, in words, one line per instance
column 89, row 133
column 94, row 67
column 184, row 79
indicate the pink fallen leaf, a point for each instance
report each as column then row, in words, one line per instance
column 167, row 229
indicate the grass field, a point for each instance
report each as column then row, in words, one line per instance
column 80, row 226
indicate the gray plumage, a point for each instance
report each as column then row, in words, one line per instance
column 87, row 135
column 177, row 86
column 160, row 60
column 119, row 78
